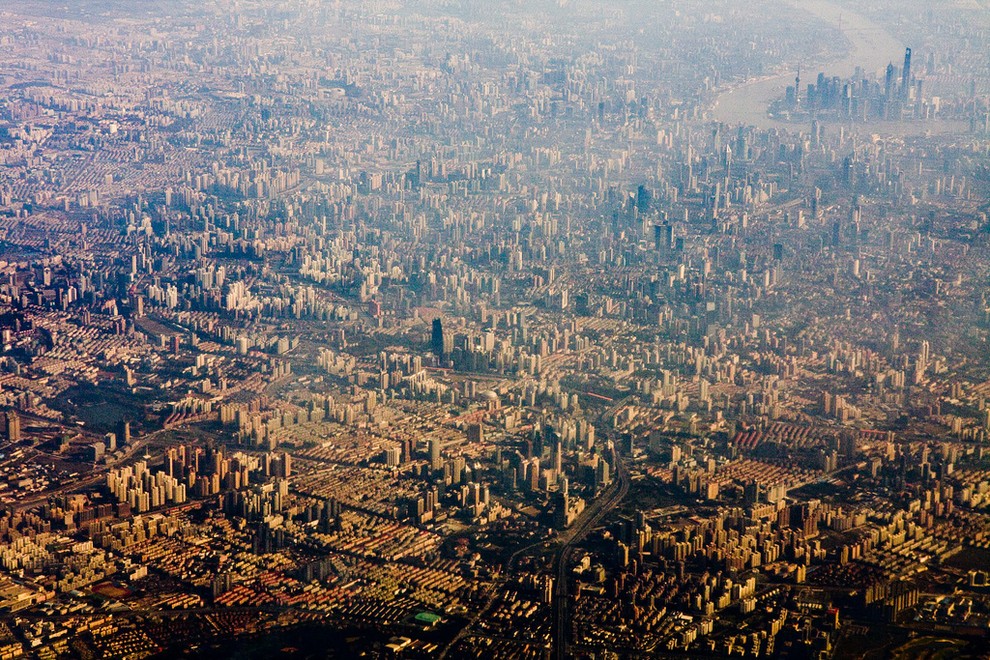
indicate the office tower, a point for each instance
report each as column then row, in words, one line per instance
column 124, row 432
column 475, row 433
column 663, row 237
column 436, row 340
column 393, row 456
column 906, row 76
column 560, row 509
column 742, row 144
column 13, row 427
column 643, row 199
column 434, row 454
column 888, row 89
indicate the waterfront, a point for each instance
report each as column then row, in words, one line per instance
column 868, row 46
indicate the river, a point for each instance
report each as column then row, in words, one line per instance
column 870, row 47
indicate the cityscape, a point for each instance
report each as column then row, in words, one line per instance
column 531, row 329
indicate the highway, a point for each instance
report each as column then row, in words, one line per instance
column 588, row 520
column 466, row 630
column 98, row 474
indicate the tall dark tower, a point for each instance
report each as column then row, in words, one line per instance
column 663, row 237
column 906, row 76
column 797, row 88
column 436, row 338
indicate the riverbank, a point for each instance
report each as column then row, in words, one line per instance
column 870, row 46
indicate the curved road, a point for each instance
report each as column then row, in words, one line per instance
column 589, row 519
column 466, row 630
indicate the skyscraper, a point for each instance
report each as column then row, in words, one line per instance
column 906, row 76
column 435, row 460
column 13, row 427
column 124, row 432
column 663, row 237
column 436, row 340
column 441, row 340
